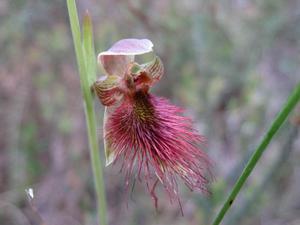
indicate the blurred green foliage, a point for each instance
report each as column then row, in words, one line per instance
column 230, row 63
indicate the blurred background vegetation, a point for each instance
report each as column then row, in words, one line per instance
column 231, row 63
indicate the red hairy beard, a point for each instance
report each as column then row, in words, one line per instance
column 156, row 143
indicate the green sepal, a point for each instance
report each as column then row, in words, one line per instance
column 107, row 89
column 154, row 69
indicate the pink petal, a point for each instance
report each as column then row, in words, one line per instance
column 115, row 64
column 129, row 47
column 116, row 59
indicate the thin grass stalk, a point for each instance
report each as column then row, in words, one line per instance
column 277, row 123
column 87, row 72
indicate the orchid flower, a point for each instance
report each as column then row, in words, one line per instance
column 154, row 141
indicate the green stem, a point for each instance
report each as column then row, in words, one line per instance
column 271, row 175
column 281, row 117
column 84, row 66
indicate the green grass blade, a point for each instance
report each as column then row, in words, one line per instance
column 89, row 50
column 277, row 123
column 75, row 28
column 85, row 67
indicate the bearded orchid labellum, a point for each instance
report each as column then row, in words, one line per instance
column 149, row 134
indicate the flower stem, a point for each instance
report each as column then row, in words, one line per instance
column 85, row 65
column 277, row 123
